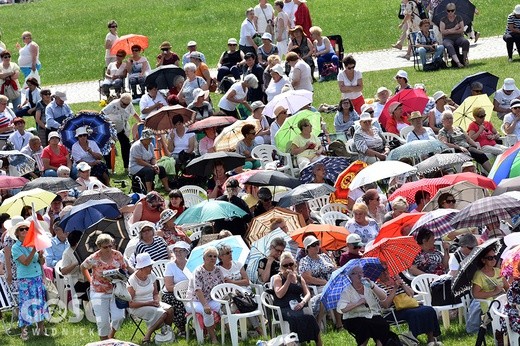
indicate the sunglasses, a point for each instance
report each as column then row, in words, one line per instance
column 450, row 201
column 351, row 67
column 232, row 45
column 136, row 50
column 398, row 77
column 288, row 265
column 470, row 247
column 481, row 116
column 83, row 135
column 314, row 244
column 23, row 229
column 357, row 247
column 477, row 91
column 490, row 258
column 228, row 253
column 7, row 56
column 107, row 246
column 113, row 26
column 450, row 10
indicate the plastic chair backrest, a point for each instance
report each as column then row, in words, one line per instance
column 421, row 285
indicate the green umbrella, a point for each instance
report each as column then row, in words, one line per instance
column 208, row 211
column 289, row 129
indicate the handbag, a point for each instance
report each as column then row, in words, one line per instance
column 245, row 301
column 120, row 291
column 404, row 301
column 407, row 339
column 10, row 92
column 50, row 289
column 213, row 85
column 270, row 25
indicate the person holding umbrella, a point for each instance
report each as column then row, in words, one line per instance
column 86, row 150
column 237, row 226
column 306, row 146
column 487, row 281
column 397, row 120
column 452, row 30
column 151, row 101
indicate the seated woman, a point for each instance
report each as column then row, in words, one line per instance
column 277, row 81
column 137, row 68
column 179, row 139
column 264, row 135
column 207, row 143
column 149, row 208
column 191, row 83
column 229, row 62
column 435, row 114
column 452, row 30
column 429, row 260
column 484, row 133
column 323, row 50
column 419, row 132
column 87, row 150
column 176, row 202
column 85, row 180
column 216, row 182
column 55, row 155
column 381, row 97
column 455, row 137
column 150, row 243
column 398, row 206
column 397, row 120
column 236, row 95
column 361, row 224
column 512, row 119
column 200, row 105
column 143, row 163
column 359, row 304
column 369, row 141
column 350, row 83
column 246, row 146
column 306, row 146
column 267, row 48
column 115, row 75
column 427, row 42
column 319, row 172
column 289, row 286
column 345, row 117
column 487, row 281
column 167, row 229
column 421, row 319
column 145, row 302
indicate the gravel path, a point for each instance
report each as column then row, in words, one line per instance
column 386, row 59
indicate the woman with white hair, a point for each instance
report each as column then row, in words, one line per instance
column 277, row 81
column 399, row 206
column 191, row 83
column 236, row 95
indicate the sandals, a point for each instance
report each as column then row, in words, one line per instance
column 146, row 342
column 25, row 335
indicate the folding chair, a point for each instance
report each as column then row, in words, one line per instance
column 7, row 303
column 137, row 322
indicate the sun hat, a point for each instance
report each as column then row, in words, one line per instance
column 514, row 103
column 381, row 89
column 365, row 116
column 393, row 106
column 196, row 55
column 267, row 36
column 354, row 239
column 181, row 245
column 83, row 166
column 165, row 45
column 143, row 260
column 365, row 107
column 232, row 40
column 415, row 115
column 198, row 92
column 147, row 134
column 278, row 69
column 419, row 86
column 81, row 131
column 467, row 164
column 166, row 215
column 145, row 224
column 403, row 74
column 517, row 10
column 191, row 44
column 257, row 104
column 61, row 94
column 509, row 84
column 53, row 134
column 12, row 224
column 438, row 95
column 309, row 241
column 279, row 110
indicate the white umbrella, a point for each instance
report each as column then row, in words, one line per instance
column 293, row 100
column 381, row 170
column 464, row 192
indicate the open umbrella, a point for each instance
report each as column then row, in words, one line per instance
column 398, row 227
column 228, row 139
column 464, row 192
column 272, row 178
column 471, row 177
column 203, row 165
column 85, row 215
column 213, row 121
column 52, row 184
column 463, row 89
column 127, row 41
column 260, row 226
column 381, row 170
column 161, row 120
column 304, row 193
column 417, row 149
column 116, row 228
column 506, row 185
column 260, row 249
column 339, row 279
column 164, row 75
column 343, row 181
column 409, row 189
column 239, row 249
column 19, row 164
column 331, row 238
column 292, row 100
column 468, row 267
column 113, row 194
column 488, row 210
column 506, row 165
column 441, row 161
column 438, row 221
column 333, row 167
column 209, row 211
column 99, row 128
column 37, row 198
column 510, row 259
column 289, row 129
column 9, row 182
column 398, row 253
column 465, row 9
column 411, row 100
column 463, row 115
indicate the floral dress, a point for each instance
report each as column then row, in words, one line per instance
column 367, row 233
column 98, row 266
column 511, row 308
column 429, row 262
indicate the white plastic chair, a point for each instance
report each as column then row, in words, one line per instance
column 194, row 231
column 180, row 291
column 158, row 269
column 191, row 199
column 405, row 131
column 388, row 136
column 331, row 217
column 317, row 203
column 264, row 153
column 193, row 189
column 7, row 303
column 497, row 311
column 219, row 294
column 342, row 208
column 276, row 315
column 351, row 149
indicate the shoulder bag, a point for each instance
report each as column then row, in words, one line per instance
column 404, row 301
column 245, row 301
column 270, row 25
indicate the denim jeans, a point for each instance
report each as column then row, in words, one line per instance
column 438, row 53
column 329, row 57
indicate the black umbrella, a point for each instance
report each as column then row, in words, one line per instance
column 164, row 76
column 203, row 166
column 463, row 89
column 304, row 193
column 464, row 8
column 507, row 185
column 113, row 194
column 468, row 267
column 116, row 228
column 51, row 184
column 272, row 178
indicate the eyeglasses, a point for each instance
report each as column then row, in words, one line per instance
column 107, row 246
column 345, row 101
column 232, row 45
column 284, row 112
column 450, row 201
column 279, row 250
column 477, row 91
column 490, row 258
column 136, row 50
column 357, row 247
column 351, row 67
column 147, row 230
column 370, row 112
column 470, row 247
column 23, row 229
column 7, row 56
column 228, row 253
column 450, row 11
column 83, row 135
column 314, row 244
column 288, row 265
column 481, row 116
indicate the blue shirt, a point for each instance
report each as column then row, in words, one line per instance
column 34, row 268
column 54, row 115
column 55, row 252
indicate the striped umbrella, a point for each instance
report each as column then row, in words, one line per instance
column 228, row 139
column 506, row 165
column 398, row 253
column 438, row 221
column 398, row 227
column 261, row 225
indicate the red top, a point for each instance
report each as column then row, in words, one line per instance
column 391, row 124
column 302, row 17
column 482, row 139
column 56, row 160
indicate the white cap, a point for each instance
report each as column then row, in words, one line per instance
column 517, row 9
column 509, row 84
column 83, row 166
column 61, row 94
column 191, row 44
column 267, row 36
column 354, row 239
column 402, row 73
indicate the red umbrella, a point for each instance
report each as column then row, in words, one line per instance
column 127, row 41
column 343, row 181
column 214, row 121
column 471, row 177
column 10, row 182
column 331, row 237
column 395, row 227
column 411, row 99
column 398, row 253
column 409, row 189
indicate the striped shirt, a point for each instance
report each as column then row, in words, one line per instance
column 158, row 249
column 512, row 19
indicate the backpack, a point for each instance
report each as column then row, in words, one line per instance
column 337, row 148
column 441, row 292
column 400, row 13
column 329, row 69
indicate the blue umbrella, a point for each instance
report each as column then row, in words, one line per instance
column 86, row 214
column 333, row 164
column 209, row 211
column 260, row 249
column 100, row 130
column 463, row 89
column 239, row 249
column 339, row 279
column 417, row 149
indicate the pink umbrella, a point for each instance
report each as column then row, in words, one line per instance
column 411, row 100
column 10, row 182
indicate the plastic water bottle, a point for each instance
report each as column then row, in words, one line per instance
column 366, row 283
column 293, row 303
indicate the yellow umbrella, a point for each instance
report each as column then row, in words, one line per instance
column 463, row 115
column 228, row 139
column 37, row 197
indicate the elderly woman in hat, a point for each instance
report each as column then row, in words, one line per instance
column 512, row 119
column 397, row 120
column 29, row 272
column 267, row 48
column 109, row 317
column 173, row 274
column 115, row 74
column 85, row 180
column 55, row 155
column 149, row 208
column 200, row 105
column 381, row 97
column 419, row 132
column 143, row 162
column 306, row 146
column 484, row 133
column 237, row 94
column 137, row 68
column 151, row 243
column 167, row 229
column 167, row 57
column 230, row 60
column 435, row 115
column 19, row 138
column 369, row 141
column 280, row 114
column 87, row 150
column 504, row 95
column 202, row 69
column 146, row 303
column 277, row 82
column 264, row 135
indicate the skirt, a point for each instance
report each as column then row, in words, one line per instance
column 179, row 312
column 302, row 324
column 421, row 320
column 150, row 314
column 31, row 301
